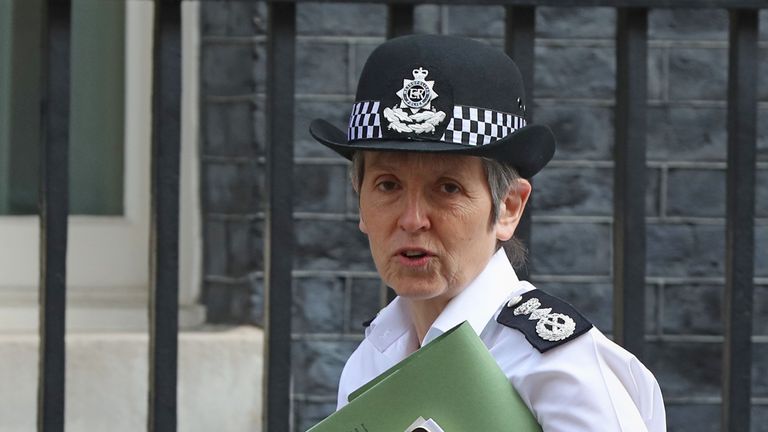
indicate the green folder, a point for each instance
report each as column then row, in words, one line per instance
column 452, row 382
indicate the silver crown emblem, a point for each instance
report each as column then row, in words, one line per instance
column 420, row 74
column 416, row 96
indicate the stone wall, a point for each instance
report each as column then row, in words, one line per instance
column 335, row 284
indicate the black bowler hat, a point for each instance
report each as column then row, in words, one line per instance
column 442, row 94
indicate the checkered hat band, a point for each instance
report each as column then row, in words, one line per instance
column 364, row 123
column 479, row 126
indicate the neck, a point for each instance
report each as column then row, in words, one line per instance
column 424, row 313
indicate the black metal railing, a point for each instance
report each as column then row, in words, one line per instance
column 629, row 183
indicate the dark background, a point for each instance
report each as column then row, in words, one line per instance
column 335, row 283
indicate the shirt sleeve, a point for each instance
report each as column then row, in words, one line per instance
column 588, row 384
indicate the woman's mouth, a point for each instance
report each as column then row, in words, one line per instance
column 413, row 257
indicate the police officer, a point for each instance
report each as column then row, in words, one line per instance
column 441, row 156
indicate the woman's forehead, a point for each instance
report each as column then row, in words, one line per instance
column 426, row 162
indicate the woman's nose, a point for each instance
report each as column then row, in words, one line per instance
column 414, row 216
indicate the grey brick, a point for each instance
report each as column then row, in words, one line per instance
column 684, row 133
column 230, row 129
column 309, row 413
column 760, row 309
column 762, row 135
column 318, row 305
column 692, row 309
column 428, row 19
column 227, row 69
column 676, row 250
column 234, row 247
column 762, row 75
column 761, row 250
column 260, row 128
column 320, row 188
column 327, row 19
column 575, row 72
column 759, row 418
column 761, row 193
column 476, row 21
column 337, row 113
column 365, row 304
column 317, row 365
column 214, row 247
column 235, row 303
column 593, row 300
column 584, row 191
column 256, row 301
column 698, row 73
column 693, row 418
column 330, row 245
column 259, row 67
column 232, row 18
column 582, row 132
column 574, row 191
column 688, row 24
column 696, row 192
column 575, row 22
column 759, row 370
column 657, row 74
column 686, row 369
column 245, row 247
column 321, row 67
column 231, row 187
column 652, row 192
column 568, row 249
column 763, row 24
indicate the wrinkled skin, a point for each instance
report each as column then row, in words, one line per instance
column 427, row 221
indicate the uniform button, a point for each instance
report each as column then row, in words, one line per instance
column 514, row 301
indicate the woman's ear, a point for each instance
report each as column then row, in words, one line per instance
column 362, row 226
column 511, row 209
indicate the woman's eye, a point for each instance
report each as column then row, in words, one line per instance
column 450, row 188
column 386, row 186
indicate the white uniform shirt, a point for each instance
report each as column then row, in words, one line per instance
column 587, row 384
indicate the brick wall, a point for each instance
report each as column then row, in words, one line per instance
column 335, row 284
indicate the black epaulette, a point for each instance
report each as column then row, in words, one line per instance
column 546, row 321
column 368, row 323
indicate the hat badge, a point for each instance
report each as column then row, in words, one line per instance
column 417, row 93
column 416, row 96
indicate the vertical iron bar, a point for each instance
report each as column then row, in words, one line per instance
column 629, row 180
column 399, row 20
column 519, row 43
column 739, row 264
column 54, row 209
column 278, row 256
column 166, row 145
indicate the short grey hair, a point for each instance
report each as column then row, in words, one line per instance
column 500, row 176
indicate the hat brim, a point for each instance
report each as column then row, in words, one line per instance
column 527, row 149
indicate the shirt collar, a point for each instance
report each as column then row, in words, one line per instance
column 389, row 325
column 480, row 300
